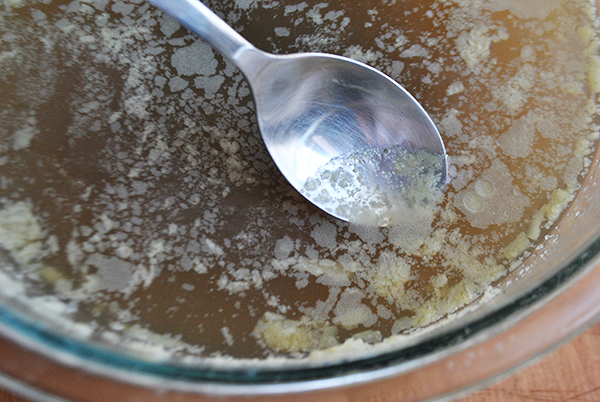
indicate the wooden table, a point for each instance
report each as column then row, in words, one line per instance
column 571, row 373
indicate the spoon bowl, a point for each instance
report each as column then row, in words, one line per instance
column 315, row 108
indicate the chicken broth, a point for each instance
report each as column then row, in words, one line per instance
column 138, row 202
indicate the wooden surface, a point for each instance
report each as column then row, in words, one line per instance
column 572, row 373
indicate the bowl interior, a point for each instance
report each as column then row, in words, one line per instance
column 143, row 224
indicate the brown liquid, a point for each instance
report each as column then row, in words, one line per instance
column 136, row 150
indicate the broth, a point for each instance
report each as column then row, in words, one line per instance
column 136, row 195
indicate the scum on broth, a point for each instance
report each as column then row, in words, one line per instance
column 139, row 205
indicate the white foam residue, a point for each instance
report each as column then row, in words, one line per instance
column 524, row 8
column 22, row 137
column 493, row 199
column 21, row 233
column 175, row 210
column 378, row 187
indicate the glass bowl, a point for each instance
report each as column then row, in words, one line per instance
column 122, row 132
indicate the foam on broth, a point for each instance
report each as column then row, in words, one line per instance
column 137, row 198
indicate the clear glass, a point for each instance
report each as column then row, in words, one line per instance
column 56, row 171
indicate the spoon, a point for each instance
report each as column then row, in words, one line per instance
column 346, row 136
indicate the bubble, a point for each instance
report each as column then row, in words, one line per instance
column 473, row 202
column 485, row 188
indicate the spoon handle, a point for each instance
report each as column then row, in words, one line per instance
column 206, row 24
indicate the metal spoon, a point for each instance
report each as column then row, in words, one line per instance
column 313, row 108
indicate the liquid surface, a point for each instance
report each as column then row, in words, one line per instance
column 138, row 202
